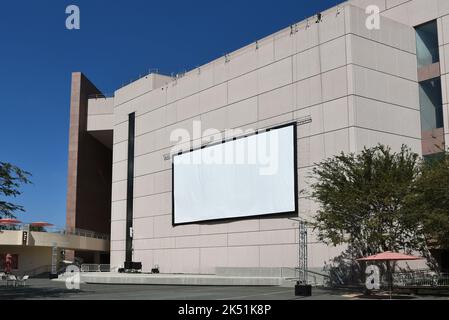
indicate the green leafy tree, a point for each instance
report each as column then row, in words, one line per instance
column 37, row 229
column 11, row 179
column 428, row 204
column 362, row 198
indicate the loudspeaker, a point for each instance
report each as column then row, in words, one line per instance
column 303, row 290
column 137, row 266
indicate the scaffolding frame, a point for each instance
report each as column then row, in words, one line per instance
column 303, row 254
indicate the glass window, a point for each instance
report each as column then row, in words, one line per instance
column 427, row 44
column 431, row 102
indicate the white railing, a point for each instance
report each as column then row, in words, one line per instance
column 96, row 268
column 78, row 232
column 420, row 279
column 58, row 230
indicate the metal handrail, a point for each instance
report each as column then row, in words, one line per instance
column 147, row 73
column 96, row 268
column 421, row 278
column 308, row 271
column 38, row 271
column 79, row 232
column 312, row 276
column 62, row 231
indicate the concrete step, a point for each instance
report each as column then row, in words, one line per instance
column 179, row 280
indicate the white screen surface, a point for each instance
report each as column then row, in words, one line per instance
column 251, row 176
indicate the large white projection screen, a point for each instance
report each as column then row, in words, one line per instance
column 247, row 177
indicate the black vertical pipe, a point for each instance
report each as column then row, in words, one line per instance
column 130, row 188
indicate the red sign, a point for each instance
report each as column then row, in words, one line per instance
column 14, row 264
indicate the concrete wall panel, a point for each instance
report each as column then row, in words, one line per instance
column 351, row 83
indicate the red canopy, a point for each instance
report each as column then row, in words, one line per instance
column 41, row 224
column 6, row 222
column 390, row 256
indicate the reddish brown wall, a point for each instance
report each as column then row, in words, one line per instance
column 89, row 167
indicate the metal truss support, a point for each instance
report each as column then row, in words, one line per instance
column 303, row 253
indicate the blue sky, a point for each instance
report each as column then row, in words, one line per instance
column 118, row 41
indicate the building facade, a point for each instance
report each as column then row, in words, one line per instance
column 347, row 86
column 35, row 253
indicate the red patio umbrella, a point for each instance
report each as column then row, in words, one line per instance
column 387, row 257
column 390, row 256
column 41, row 224
column 9, row 222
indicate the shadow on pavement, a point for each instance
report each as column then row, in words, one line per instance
column 12, row 293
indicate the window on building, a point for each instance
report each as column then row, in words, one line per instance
column 431, row 103
column 427, row 44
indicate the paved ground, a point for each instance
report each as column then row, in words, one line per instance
column 46, row 289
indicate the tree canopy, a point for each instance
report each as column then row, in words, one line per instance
column 428, row 203
column 11, row 179
column 362, row 199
